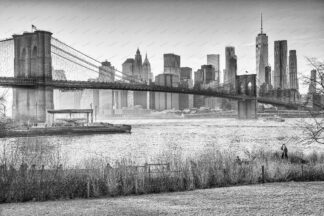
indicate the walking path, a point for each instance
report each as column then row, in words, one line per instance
column 293, row 198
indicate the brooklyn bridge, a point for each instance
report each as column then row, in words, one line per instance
column 27, row 62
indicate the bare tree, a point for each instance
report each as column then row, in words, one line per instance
column 314, row 128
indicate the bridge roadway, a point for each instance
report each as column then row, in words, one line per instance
column 62, row 84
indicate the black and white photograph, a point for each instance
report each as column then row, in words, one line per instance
column 161, row 107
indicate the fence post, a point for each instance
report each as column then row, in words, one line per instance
column 263, row 174
column 302, row 170
column 136, row 183
column 88, row 187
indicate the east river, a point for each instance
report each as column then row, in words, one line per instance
column 154, row 140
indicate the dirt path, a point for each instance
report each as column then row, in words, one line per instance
column 291, row 198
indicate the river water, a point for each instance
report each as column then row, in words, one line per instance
column 154, row 140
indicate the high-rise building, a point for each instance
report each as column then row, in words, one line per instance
column 137, row 71
column 267, row 75
column 166, row 100
column 171, row 64
column 128, row 68
column 147, row 73
column 208, row 73
column 213, row 59
column 312, row 83
column 293, row 80
column 185, row 100
column 280, row 65
column 106, row 72
column 231, row 67
column 185, row 73
column 261, row 55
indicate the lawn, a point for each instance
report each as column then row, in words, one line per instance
column 290, row 198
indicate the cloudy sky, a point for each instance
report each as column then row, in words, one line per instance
column 114, row 29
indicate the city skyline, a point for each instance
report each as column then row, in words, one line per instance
column 113, row 30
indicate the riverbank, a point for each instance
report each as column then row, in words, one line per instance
column 292, row 198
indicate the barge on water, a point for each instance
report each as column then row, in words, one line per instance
column 66, row 126
column 66, row 130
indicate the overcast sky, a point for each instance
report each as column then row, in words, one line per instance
column 113, row 30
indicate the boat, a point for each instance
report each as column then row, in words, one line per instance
column 96, row 128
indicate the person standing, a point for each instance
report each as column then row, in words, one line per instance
column 284, row 154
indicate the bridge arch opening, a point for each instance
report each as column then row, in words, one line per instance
column 249, row 88
column 242, row 88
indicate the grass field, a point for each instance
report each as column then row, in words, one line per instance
column 292, row 198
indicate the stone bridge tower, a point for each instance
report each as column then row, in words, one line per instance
column 246, row 85
column 32, row 52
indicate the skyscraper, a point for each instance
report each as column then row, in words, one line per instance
column 280, row 65
column 231, row 67
column 312, row 83
column 106, row 72
column 147, row 73
column 171, row 64
column 268, row 75
column 261, row 55
column 185, row 100
column 185, row 73
column 137, row 73
column 127, row 68
column 213, row 59
column 293, row 80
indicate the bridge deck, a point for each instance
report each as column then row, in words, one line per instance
column 62, row 84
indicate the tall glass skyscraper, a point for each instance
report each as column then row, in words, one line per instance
column 293, row 80
column 280, row 67
column 261, row 55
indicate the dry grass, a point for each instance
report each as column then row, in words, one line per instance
column 208, row 170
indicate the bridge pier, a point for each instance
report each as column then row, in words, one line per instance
column 247, row 109
column 32, row 59
column 246, row 86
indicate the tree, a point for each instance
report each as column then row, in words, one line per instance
column 314, row 127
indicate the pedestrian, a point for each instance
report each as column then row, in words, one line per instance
column 284, row 152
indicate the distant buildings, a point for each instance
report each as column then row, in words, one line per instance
column 186, row 81
column 213, row 59
column 147, row 73
column 137, row 68
column 164, row 100
column 280, row 65
column 128, row 68
column 65, row 99
column 231, row 67
column 137, row 71
column 312, row 82
column 204, row 77
column 293, row 80
column 261, row 56
column 171, row 64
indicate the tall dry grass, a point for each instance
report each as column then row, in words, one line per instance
column 207, row 170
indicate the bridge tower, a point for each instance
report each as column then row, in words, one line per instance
column 246, row 85
column 32, row 59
